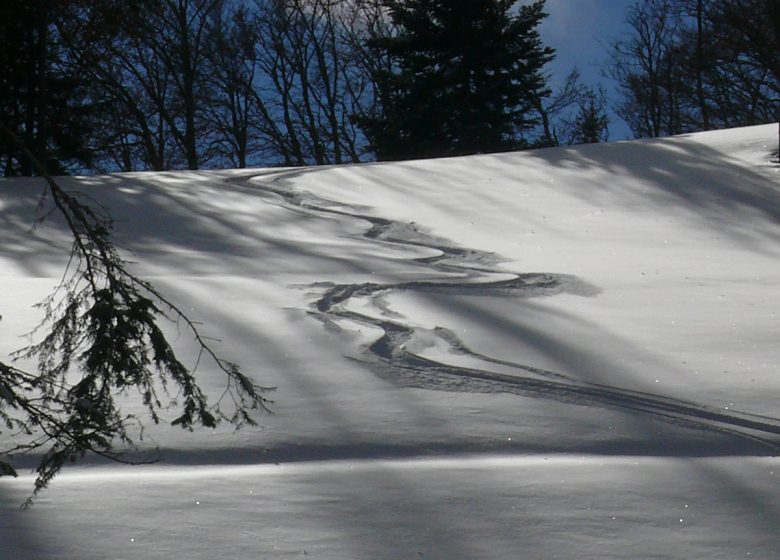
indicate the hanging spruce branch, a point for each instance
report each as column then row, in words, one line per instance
column 103, row 323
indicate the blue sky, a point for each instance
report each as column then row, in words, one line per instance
column 580, row 31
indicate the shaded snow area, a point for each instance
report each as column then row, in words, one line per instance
column 568, row 353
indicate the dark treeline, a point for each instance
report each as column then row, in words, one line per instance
column 691, row 65
column 159, row 84
column 107, row 85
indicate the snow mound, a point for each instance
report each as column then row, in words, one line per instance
column 445, row 327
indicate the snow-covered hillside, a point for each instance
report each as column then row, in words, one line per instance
column 562, row 353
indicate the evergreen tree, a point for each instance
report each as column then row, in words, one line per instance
column 466, row 78
column 591, row 123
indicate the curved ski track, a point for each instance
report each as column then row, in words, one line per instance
column 465, row 271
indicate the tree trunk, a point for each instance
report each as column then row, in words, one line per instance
column 705, row 116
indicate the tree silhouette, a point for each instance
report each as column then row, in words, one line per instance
column 467, row 78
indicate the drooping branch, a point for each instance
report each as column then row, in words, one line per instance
column 104, row 322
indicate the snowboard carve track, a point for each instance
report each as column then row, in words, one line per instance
column 465, row 271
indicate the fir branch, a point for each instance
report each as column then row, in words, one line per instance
column 103, row 321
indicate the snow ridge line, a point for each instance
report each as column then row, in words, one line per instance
column 390, row 358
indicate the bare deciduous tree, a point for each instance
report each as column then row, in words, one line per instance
column 692, row 65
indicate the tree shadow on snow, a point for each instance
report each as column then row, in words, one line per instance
column 679, row 173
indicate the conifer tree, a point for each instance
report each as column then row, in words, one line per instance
column 101, row 340
column 466, row 78
column 591, row 123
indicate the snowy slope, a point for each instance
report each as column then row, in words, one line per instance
column 564, row 353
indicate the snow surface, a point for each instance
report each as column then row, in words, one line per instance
column 563, row 353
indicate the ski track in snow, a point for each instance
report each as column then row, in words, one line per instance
column 462, row 271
